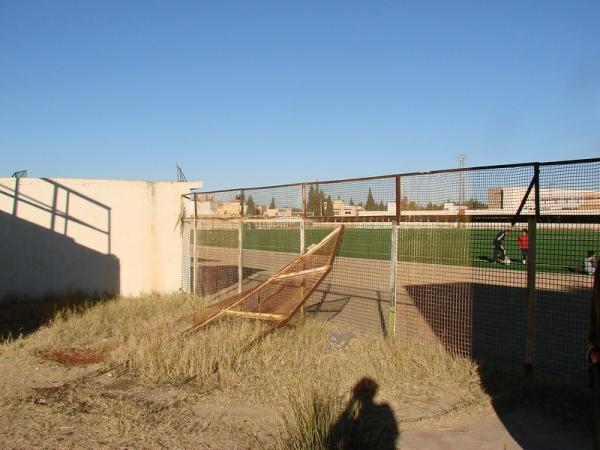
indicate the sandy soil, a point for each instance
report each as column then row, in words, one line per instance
column 44, row 404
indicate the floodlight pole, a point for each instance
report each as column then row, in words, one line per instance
column 461, row 162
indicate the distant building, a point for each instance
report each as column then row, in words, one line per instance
column 229, row 208
column 450, row 206
column 278, row 212
column 211, row 207
column 340, row 208
column 206, row 208
column 551, row 200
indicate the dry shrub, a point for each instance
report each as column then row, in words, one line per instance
column 309, row 423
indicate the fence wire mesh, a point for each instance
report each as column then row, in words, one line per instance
column 356, row 293
column 467, row 258
column 187, row 261
column 216, row 255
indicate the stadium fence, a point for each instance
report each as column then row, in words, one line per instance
column 417, row 260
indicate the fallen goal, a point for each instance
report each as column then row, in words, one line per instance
column 278, row 298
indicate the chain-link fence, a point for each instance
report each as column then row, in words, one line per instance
column 492, row 262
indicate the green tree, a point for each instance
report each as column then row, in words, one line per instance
column 351, row 202
column 434, row 207
column 475, row 204
column 272, row 205
column 250, row 207
column 329, row 207
column 371, row 205
column 406, row 205
column 310, row 202
column 316, row 201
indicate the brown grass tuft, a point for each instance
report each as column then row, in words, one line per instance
column 74, row 356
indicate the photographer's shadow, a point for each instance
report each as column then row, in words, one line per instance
column 365, row 424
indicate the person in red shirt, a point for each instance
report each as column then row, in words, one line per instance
column 523, row 243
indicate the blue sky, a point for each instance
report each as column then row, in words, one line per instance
column 250, row 93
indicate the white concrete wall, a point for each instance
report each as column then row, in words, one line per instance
column 89, row 236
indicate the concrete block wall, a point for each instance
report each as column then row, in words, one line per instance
column 92, row 237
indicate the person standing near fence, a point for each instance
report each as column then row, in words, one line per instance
column 523, row 243
column 590, row 263
column 499, row 254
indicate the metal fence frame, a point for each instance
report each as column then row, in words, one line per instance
column 402, row 217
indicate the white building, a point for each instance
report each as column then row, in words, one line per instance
column 278, row 212
column 551, row 200
column 340, row 208
column 211, row 207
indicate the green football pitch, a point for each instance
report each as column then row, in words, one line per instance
column 557, row 250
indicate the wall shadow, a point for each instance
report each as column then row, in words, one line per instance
column 488, row 324
column 215, row 278
column 355, row 308
column 38, row 264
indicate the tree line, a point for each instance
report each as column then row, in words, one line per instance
column 319, row 204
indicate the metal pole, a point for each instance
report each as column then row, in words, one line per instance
column 536, row 175
column 303, row 201
column 302, row 242
column 393, row 272
column 54, row 201
column 302, row 220
column 194, row 244
column 398, row 198
column 241, row 243
column 531, row 275
column 302, row 238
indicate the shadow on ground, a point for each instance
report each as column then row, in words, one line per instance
column 21, row 318
column 363, row 423
column 212, row 279
column 488, row 324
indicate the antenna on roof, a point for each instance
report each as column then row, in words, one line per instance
column 180, row 174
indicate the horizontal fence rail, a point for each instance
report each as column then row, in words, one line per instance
column 491, row 262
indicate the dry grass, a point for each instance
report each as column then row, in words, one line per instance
column 294, row 369
column 145, row 340
column 95, row 324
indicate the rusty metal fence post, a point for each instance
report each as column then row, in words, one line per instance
column 394, row 257
column 194, row 238
column 531, row 276
column 241, row 243
column 302, row 220
column 393, row 271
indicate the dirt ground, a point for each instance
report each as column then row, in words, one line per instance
column 44, row 404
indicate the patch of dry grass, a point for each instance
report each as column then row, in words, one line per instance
column 294, row 369
column 97, row 324
column 145, row 340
